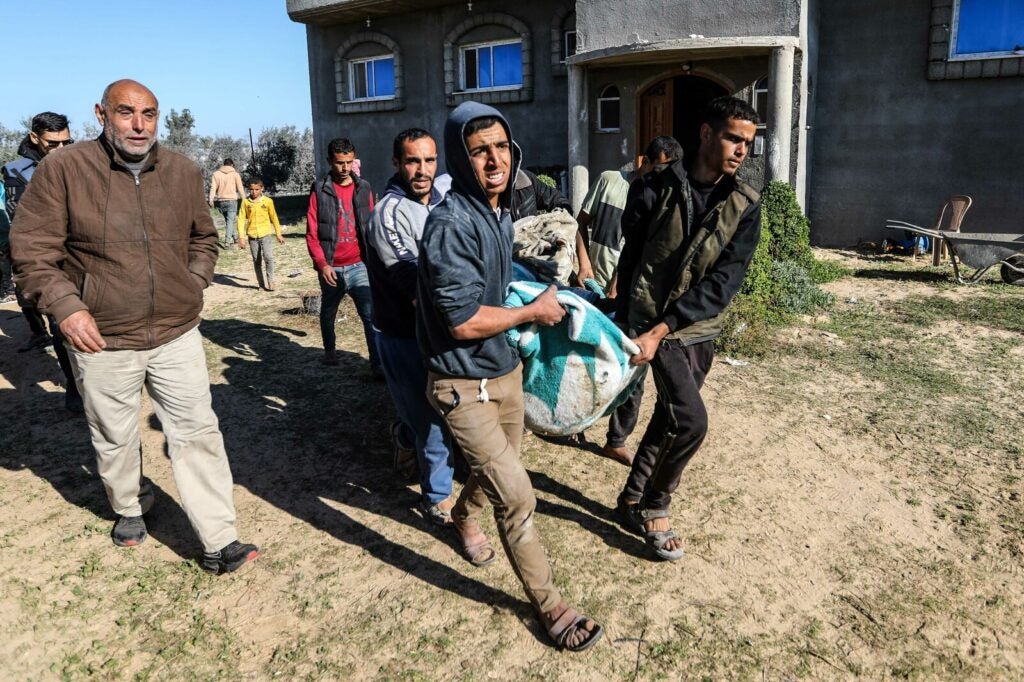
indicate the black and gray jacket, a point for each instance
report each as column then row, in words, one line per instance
column 465, row 262
column 391, row 254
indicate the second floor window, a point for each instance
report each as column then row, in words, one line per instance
column 490, row 66
column 372, row 78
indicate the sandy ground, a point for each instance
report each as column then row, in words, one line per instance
column 815, row 543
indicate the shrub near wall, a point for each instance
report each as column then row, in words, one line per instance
column 782, row 280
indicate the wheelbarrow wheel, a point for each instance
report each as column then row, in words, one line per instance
column 1014, row 274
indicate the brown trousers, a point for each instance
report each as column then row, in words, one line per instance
column 486, row 420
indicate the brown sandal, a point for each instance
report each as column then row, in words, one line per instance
column 479, row 553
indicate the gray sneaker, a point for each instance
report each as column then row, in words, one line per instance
column 129, row 531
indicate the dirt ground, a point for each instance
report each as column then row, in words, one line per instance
column 855, row 511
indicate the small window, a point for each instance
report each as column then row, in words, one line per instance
column 568, row 44
column 761, row 102
column 984, row 29
column 372, row 78
column 608, row 110
column 490, row 66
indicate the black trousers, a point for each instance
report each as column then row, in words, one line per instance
column 624, row 418
column 678, row 426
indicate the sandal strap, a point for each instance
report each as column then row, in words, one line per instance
column 648, row 514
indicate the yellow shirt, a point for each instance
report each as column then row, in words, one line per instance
column 256, row 218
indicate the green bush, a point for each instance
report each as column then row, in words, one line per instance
column 547, row 180
column 782, row 280
column 797, row 294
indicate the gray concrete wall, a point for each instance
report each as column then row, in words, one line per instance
column 607, row 23
column 890, row 143
column 538, row 126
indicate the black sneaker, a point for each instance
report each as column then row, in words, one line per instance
column 230, row 558
column 129, row 531
column 73, row 402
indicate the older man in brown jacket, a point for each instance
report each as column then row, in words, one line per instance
column 113, row 238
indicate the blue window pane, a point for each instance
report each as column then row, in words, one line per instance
column 384, row 77
column 990, row 26
column 508, row 64
column 484, row 67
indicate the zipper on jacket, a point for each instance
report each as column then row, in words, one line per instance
column 149, row 262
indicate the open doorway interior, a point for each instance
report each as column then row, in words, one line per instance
column 674, row 106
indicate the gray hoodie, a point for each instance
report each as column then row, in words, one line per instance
column 465, row 262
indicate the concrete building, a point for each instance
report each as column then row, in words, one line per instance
column 875, row 109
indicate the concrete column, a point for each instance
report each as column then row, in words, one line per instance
column 780, row 107
column 579, row 136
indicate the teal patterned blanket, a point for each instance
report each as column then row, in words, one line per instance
column 574, row 372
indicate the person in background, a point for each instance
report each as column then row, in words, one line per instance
column 340, row 204
column 258, row 227
column 225, row 192
column 49, row 133
column 392, row 253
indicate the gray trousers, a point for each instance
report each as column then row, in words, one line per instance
column 262, row 252
column 177, row 380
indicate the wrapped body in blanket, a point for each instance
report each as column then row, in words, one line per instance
column 574, row 372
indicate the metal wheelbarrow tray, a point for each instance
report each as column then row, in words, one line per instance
column 980, row 250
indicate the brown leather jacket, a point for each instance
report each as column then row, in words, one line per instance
column 135, row 253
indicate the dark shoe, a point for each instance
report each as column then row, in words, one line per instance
column 230, row 558
column 629, row 515
column 437, row 514
column 330, row 358
column 129, row 531
column 36, row 341
column 73, row 403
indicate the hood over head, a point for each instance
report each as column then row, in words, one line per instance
column 457, row 156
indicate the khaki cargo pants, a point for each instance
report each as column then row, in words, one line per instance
column 486, row 420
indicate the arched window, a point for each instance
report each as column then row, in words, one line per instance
column 487, row 59
column 564, row 39
column 608, row 116
column 368, row 74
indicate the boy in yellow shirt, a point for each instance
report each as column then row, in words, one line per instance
column 254, row 227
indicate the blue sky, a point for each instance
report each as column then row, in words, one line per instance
column 234, row 63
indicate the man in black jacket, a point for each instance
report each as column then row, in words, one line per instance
column 708, row 223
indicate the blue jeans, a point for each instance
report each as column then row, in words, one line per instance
column 352, row 280
column 407, row 382
column 229, row 209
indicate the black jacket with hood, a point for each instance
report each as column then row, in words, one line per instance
column 465, row 262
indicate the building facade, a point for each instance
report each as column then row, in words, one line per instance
column 875, row 109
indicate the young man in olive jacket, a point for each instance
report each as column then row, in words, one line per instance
column 690, row 234
column 113, row 239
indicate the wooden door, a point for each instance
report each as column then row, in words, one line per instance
column 655, row 115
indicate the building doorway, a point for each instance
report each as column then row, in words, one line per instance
column 674, row 106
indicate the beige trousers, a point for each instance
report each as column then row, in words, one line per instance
column 487, row 423
column 177, row 380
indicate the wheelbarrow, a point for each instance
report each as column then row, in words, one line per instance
column 979, row 250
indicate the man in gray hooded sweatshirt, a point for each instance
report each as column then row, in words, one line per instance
column 474, row 375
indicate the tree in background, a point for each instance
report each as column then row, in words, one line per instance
column 284, row 158
column 179, row 132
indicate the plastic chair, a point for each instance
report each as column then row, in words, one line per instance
column 956, row 206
